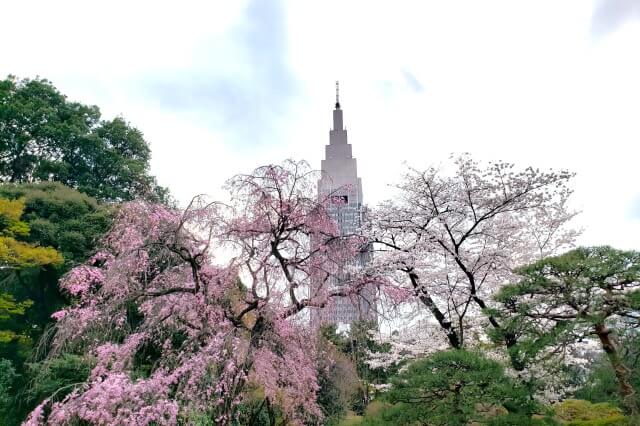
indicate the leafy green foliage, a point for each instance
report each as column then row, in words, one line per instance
column 584, row 286
column 60, row 217
column 10, row 223
column 44, row 137
column 514, row 419
column 52, row 378
column 452, row 388
column 64, row 219
column 337, row 378
column 561, row 300
column 7, row 378
column 583, row 413
column 16, row 254
column 8, row 307
column 56, row 376
column 71, row 223
column 255, row 412
column 601, row 384
column 357, row 344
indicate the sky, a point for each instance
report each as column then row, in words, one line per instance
column 221, row 87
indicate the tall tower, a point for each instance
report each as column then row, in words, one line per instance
column 340, row 182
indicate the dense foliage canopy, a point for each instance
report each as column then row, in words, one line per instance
column 69, row 224
column 452, row 388
column 45, row 137
column 564, row 299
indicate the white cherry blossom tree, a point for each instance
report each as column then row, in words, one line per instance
column 450, row 240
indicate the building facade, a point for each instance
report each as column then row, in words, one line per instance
column 340, row 182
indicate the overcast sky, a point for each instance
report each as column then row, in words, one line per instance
column 220, row 87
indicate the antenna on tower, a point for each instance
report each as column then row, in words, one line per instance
column 337, row 95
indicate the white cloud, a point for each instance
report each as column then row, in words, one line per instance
column 610, row 15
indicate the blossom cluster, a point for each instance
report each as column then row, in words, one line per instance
column 173, row 332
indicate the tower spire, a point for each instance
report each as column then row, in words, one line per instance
column 337, row 112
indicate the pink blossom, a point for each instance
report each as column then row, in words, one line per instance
column 173, row 331
column 58, row 315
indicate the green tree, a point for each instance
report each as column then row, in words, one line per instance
column 66, row 221
column 588, row 291
column 9, row 306
column 601, row 384
column 357, row 344
column 14, row 254
column 45, row 137
column 7, row 378
column 17, row 255
column 69, row 222
column 453, row 388
column 61, row 217
column 337, row 378
column 56, row 377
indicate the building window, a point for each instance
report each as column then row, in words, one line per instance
column 340, row 199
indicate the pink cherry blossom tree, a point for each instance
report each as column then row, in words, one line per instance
column 175, row 330
column 452, row 239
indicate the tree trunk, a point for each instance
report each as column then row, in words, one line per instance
column 509, row 338
column 510, row 341
column 627, row 392
column 457, row 402
column 425, row 298
column 256, row 335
